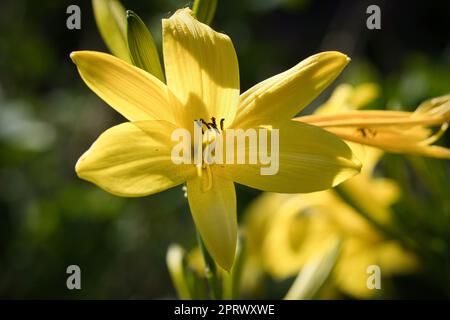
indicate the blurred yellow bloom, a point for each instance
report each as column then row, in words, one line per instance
column 284, row 232
column 393, row 131
column 134, row 158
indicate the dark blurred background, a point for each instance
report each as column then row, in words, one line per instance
column 50, row 219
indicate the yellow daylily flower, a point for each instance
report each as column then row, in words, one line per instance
column 393, row 131
column 134, row 158
column 286, row 231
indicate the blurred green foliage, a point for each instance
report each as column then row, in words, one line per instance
column 50, row 219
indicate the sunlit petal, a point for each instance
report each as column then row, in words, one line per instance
column 392, row 131
column 133, row 159
column 214, row 213
column 281, row 97
column 394, row 140
column 134, row 93
column 201, row 67
column 310, row 159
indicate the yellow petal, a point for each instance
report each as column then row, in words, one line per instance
column 373, row 195
column 439, row 106
column 134, row 93
column 346, row 98
column 298, row 231
column 201, row 67
column 363, row 95
column 396, row 140
column 393, row 131
column 281, row 97
column 351, row 272
column 310, row 159
column 315, row 272
column 371, row 118
column 133, row 159
column 338, row 102
column 214, row 213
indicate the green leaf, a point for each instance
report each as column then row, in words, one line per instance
column 314, row 274
column 141, row 45
column 204, row 10
column 111, row 21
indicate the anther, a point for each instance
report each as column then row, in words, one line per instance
column 213, row 123
column 205, row 123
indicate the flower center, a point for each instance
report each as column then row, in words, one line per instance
column 211, row 125
column 213, row 128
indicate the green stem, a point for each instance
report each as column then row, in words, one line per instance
column 210, row 269
column 231, row 280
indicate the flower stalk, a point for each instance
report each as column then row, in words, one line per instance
column 210, row 270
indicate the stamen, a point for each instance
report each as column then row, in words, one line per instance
column 205, row 123
column 214, row 122
column 199, row 167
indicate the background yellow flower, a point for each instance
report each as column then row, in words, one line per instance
column 284, row 232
